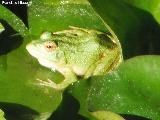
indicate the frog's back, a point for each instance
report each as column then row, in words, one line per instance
column 95, row 54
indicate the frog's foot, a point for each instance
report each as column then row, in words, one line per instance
column 50, row 83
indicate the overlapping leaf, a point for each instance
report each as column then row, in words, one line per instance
column 132, row 89
column 11, row 19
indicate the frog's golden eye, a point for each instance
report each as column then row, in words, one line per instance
column 50, row 46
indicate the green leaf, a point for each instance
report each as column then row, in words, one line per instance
column 60, row 14
column 2, row 115
column 132, row 89
column 18, row 77
column 80, row 91
column 68, row 109
column 1, row 28
column 12, row 20
column 105, row 115
column 150, row 6
column 134, row 27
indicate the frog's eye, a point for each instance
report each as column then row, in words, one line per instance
column 50, row 46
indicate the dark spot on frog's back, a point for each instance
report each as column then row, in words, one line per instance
column 102, row 55
column 106, row 41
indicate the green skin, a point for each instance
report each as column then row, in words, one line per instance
column 76, row 52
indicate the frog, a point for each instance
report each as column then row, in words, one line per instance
column 75, row 53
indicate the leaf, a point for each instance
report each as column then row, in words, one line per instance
column 1, row 28
column 2, row 115
column 59, row 15
column 132, row 89
column 80, row 91
column 68, row 109
column 12, row 20
column 18, row 77
column 105, row 115
column 150, row 6
column 136, row 28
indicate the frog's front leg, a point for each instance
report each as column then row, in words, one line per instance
column 70, row 77
column 48, row 83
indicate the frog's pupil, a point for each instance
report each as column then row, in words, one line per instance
column 49, row 46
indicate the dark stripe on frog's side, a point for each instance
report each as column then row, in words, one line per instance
column 106, row 41
column 113, row 65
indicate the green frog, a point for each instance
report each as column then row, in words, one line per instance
column 76, row 52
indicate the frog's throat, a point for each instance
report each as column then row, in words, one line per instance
column 52, row 65
column 48, row 64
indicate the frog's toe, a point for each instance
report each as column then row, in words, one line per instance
column 50, row 83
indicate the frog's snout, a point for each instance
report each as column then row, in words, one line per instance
column 30, row 48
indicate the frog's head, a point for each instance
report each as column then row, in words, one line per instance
column 50, row 48
column 46, row 50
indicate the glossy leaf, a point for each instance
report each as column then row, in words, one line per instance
column 80, row 91
column 105, row 115
column 2, row 115
column 59, row 15
column 1, row 28
column 132, row 89
column 150, row 6
column 11, row 19
column 18, row 78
